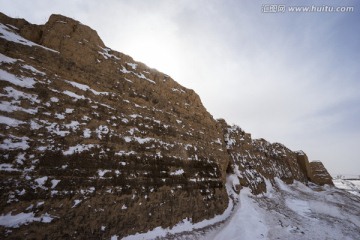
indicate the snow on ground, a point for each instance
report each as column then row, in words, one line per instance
column 132, row 65
column 101, row 173
column 10, row 121
column 85, row 88
column 87, row 133
column 293, row 212
column 139, row 75
column 41, row 181
column 19, row 219
column 177, row 172
column 19, row 81
column 11, row 107
column 54, row 183
column 7, row 167
column 73, row 95
column 352, row 186
column 33, row 70
column 105, row 53
column 247, row 221
column 289, row 212
column 76, row 202
column 16, row 95
column 15, row 142
column 9, row 35
column 79, row 148
column 6, row 59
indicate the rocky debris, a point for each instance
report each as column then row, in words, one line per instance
column 314, row 171
column 304, row 164
column 319, row 174
column 95, row 144
column 256, row 161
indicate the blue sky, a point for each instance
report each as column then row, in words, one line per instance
column 286, row 77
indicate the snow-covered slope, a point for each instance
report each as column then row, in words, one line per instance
column 291, row 212
column 350, row 185
column 294, row 212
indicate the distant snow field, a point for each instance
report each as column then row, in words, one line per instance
column 352, row 186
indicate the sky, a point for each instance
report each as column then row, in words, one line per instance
column 288, row 77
